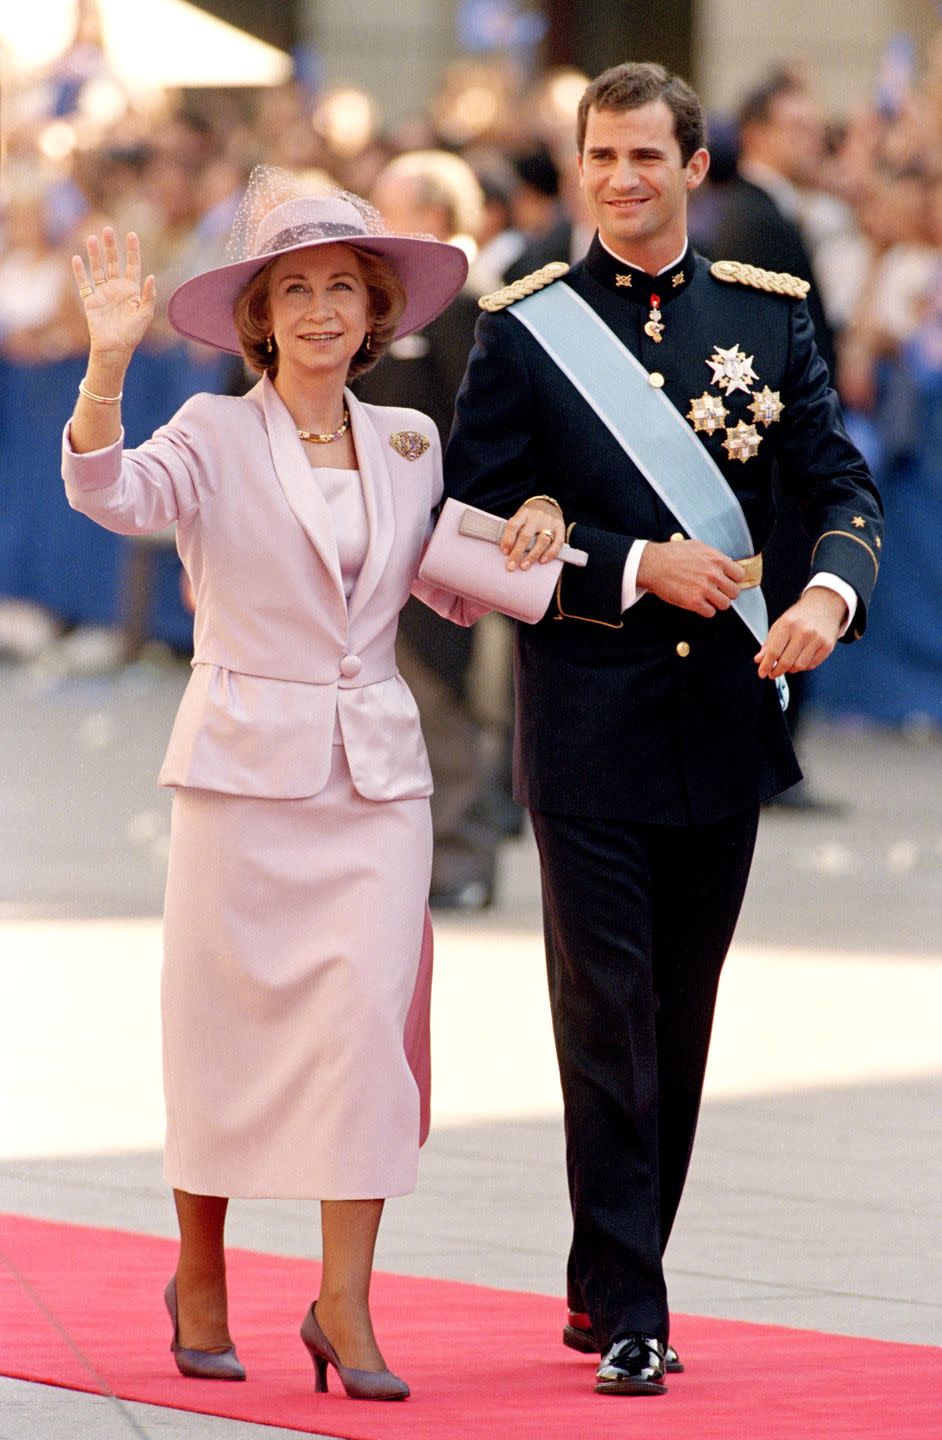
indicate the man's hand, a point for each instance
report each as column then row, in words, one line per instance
column 690, row 574
column 804, row 636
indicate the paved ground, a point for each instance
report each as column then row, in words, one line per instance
column 813, row 1198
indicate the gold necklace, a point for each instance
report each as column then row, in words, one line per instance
column 310, row 436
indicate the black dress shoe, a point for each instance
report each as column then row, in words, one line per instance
column 633, row 1366
column 577, row 1334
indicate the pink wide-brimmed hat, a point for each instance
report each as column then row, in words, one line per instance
column 432, row 271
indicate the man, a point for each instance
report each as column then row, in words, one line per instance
column 435, row 193
column 648, row 731
column 781, row 151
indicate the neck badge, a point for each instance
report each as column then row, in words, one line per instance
column 653, row 327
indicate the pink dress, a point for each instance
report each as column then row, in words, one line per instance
column 297, row 974
column 292, row 936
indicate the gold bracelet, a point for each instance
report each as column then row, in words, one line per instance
column 99, row 399
column 550, row 498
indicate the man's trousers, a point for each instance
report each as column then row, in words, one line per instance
column 637, row 923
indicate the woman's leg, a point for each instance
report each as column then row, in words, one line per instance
column 349, row 1230
column 202, row 1306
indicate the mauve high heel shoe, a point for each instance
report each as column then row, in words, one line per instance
column 359, row 1384
column 200, row 1364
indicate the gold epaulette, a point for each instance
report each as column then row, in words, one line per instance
column 526, row 285
column 775, row 282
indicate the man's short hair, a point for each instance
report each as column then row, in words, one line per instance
column 756, row 107
column 637, row 83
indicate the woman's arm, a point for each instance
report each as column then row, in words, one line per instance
column 117, row 311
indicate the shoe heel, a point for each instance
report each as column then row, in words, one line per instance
column 320, row 1375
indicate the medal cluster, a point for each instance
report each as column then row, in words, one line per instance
column 734, row 370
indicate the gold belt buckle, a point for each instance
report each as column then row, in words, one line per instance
column 753, row 568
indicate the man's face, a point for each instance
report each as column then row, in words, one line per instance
column 635, row 182
column 795, row 135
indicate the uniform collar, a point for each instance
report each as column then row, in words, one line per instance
column 635, row 284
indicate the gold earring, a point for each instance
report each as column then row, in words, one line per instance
column 368, row 343
column 268, row 344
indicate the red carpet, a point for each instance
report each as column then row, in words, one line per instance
column 483, row 1364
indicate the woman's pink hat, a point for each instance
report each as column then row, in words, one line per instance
column 432, row 271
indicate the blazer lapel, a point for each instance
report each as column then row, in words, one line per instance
column 377, row 494
column 301, row 490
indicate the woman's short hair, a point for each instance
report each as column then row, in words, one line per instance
column 385, row 302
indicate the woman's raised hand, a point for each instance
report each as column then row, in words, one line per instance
column 118, row 309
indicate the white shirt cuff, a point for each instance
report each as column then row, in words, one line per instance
column 848, row 594
column 630, row 590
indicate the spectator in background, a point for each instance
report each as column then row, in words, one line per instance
column 500, row 242
column 39, row 319
column 431, row 192
column 781, row 148
column 568, row 238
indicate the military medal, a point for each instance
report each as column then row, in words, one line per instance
column 653, row 327
column 742, row 442
column 766, row 406
column 732, row 370
column 708, row 413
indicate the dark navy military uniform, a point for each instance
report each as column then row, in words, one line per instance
column 645, row 740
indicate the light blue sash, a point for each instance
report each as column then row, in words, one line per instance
column 649, row 429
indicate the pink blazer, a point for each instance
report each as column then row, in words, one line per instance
column 281, row 659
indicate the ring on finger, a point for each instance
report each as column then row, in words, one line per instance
column 86, row 290
column 547, row 533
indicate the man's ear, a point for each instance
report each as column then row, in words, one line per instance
column 697, row 167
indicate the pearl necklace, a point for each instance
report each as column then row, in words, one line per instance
column 310, row 436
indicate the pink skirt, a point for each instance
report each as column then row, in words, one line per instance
column 295, row 993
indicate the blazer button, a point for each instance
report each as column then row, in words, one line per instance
column 677, row 535
column 350, row 666
column 683, row 649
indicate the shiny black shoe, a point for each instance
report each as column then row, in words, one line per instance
column 577, row 1335
column 632, row 1366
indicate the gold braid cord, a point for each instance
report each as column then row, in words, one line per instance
column 526, row 285
column 774, row 282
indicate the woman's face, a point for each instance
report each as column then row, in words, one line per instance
column 317, row 302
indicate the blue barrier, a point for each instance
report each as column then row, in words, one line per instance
column 52, row 555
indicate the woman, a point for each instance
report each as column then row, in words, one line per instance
column 295, row 1006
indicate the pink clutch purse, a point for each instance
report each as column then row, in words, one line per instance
column 464, row 556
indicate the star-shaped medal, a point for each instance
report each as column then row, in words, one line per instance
column 708, row 413
column 732, row 370
column 742, row 442
column 766, row 406
column 858, row 522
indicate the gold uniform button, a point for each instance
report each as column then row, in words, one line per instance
column 656, row 379
column 677, row 535
column 683, row 649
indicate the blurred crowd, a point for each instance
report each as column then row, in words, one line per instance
column 856, row 206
